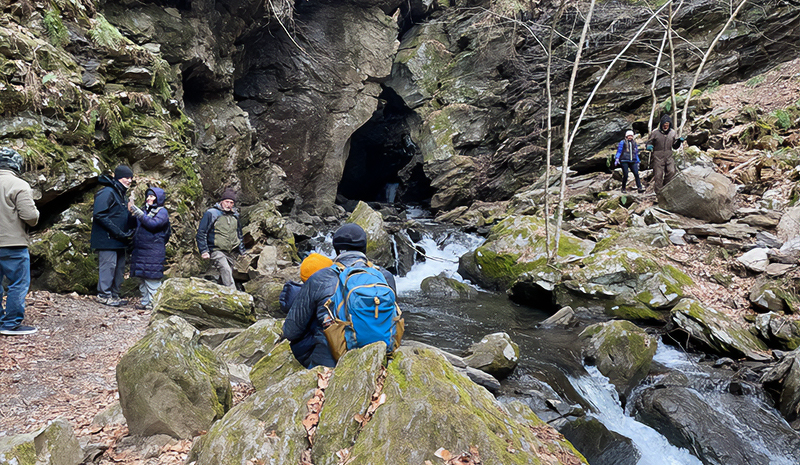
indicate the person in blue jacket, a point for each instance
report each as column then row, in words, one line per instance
column 350, row 244
column 150, row 243
column 628, row 157
column 112, row 232
column 303, row 347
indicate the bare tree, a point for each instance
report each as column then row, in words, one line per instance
column 565, row 157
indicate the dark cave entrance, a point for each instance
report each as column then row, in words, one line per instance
column 384, row 163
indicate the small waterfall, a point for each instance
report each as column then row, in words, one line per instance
column 390, row 191
column 441, row 256
column 653, row 447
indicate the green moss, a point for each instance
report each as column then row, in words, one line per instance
column 55, row 28
column 105, row 34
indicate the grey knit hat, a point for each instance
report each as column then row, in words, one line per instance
column 10, row 159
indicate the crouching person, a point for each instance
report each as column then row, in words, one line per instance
column 309, row 313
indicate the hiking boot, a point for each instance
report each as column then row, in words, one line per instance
column 20, row 330
column 110, row 301
column 624, row 191
column 641, row 191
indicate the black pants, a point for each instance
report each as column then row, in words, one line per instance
column 634, row 167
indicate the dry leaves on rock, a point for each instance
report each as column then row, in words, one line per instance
column 472, row 457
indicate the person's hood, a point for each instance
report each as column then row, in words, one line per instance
column 665, row 119
column 161, row 197
column 107, row 180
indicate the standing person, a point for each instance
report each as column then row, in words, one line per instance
column 150, row 243
column 16, row 211
column 303, row 348
column 112, row 232
column 219, row 236
column 661, row 143
column 628, row 156
column 350, row 243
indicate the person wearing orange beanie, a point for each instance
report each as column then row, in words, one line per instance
column 303, row 347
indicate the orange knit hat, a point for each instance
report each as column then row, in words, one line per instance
column 312, row 264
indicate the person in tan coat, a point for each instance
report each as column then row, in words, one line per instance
column 661, row 143
column 17, row 211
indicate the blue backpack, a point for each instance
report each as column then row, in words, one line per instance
column 362, row 310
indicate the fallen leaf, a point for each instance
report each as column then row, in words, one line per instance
column 443, row 454
column 360, row 418
column 310, row 421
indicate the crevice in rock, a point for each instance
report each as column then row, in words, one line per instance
column 384, row 163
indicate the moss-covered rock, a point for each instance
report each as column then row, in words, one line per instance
column 266, row 428
column 430, row 406
column 265, row 225
column 769, row 295
column 443, row 287
column 55, row 444
column 171, row 384
column 624, row 283
column 68, row 263
column 714, row 331
column 277, row 365
column 621, row 351
column 379, row 244
column 251, row 344
column 779, row 331
column 204, row 304
column 495, row 354
column 514, row 246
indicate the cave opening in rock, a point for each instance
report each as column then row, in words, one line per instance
column 384, row 163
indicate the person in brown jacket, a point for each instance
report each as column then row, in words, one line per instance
column 17, row 211
column 661, row 143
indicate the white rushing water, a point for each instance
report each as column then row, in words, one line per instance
column 653, row 447
column 440, row 257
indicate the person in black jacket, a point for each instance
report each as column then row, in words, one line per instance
column 112, row 232
column 350, row 243
column 150, row 243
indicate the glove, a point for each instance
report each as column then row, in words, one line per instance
column 616, row 162
column 682, row 139
column 126, row 238
column 649, row 148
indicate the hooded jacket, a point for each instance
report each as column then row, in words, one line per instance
column 663, row 142
column 307, row 312
column 16, row 209
column 112, row 224
column 150, row 238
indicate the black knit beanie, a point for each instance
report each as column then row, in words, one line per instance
column 350, row 237
column 123, row 171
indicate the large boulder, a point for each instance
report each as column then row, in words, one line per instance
column 714, row 331
column 621, row 351
column 702, row 194
column 624, row 283
column 171, row 384
column 681, row 413
column 495, row 354
column 442, row 287
column 514, row 246
column 408, row 411
column 278, row 364
column 266, row 428
column 379, row 243
column 204, row 304
column 248, row 347
column 55, row 444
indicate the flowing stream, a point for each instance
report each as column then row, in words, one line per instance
column 550, row 359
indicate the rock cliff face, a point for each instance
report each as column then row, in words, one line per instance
column 282, row 100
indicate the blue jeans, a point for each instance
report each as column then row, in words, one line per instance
column 634, row 168
column 15, row 264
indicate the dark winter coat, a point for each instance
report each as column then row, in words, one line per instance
column 150, row 239
column 308, row 310
column 112, row 223
column 664, row 142
column 302, row 348
column 218, row 222
column 627, row 152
